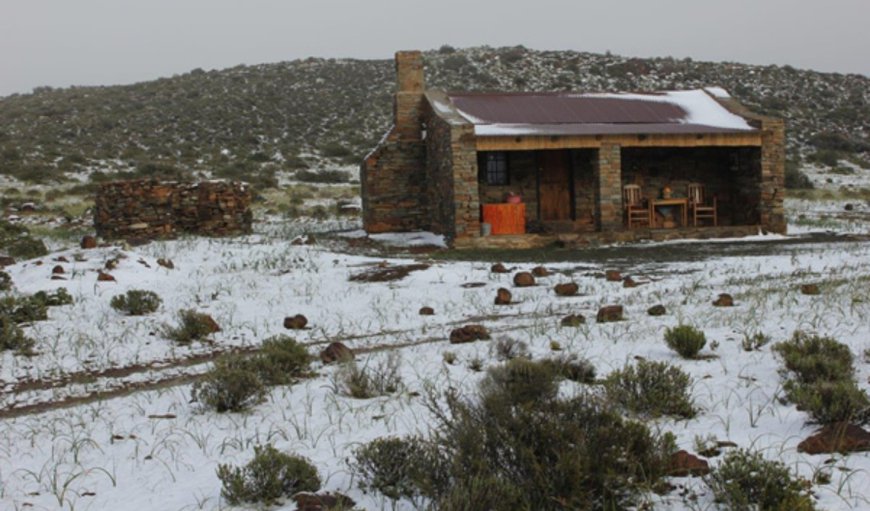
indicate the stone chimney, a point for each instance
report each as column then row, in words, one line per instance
column 409, row 95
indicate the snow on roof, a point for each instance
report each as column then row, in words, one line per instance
column 690, row 111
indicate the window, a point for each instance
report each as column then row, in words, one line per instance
column 495, row 168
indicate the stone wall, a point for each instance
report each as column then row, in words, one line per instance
column 773, row 175
column 439, row 175
column 155, row 209
column 607, row 169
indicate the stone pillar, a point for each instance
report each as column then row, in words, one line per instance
column 466, row 194
column 773, row 175
column 408, row 101
column 607, row 167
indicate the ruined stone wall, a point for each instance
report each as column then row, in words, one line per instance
column 393, row 181
column 155, row 209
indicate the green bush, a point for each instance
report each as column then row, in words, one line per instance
column 192, row 326
column 686, row 340
column 136, row 302
column 12, row 337
column 814, row 358
column 572, row 368
column 269, row 476
column 830, row 401
column 23, row 309
column 745, row 481
column 5, row 281
column 520, row 381
column 231, row 386
column 652, row 389
column 281, row 360
column 16, row 242
column 364, row 382
column 60, row 297
column 400, row 467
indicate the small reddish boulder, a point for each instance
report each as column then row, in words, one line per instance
column 540, row 271
column 685, row 464
column 724, row 300
column 612, row 276
column 524, row 279
column 629, row 282
column 503, row 296
column 573, row 320
column 88, row 242
column 566, row 289
column 105, row 277
column 469, row 333
column 427, row 311
column 57, row 270
column 609, row 313
column 840, row 437
column 499, row 268
column 810, row 289
column 166, row 263
column 6, row 261
column 657, row 310
column 336, row 352
column 296, row 322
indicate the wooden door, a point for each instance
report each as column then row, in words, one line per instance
column 554, row 185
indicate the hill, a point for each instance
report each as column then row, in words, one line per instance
column 327, row 113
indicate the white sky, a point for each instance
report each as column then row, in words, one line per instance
column 103, row 42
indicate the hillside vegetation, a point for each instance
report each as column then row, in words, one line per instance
column 325, row 113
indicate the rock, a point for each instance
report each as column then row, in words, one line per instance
column 540, row 271
column 58, row 277
column 810, row 289
column 609, row 313
column 111, row 264
column 629, row 282
column 296, row 322
column 309, row 239
column 208, row 322
column 105, row 277
column 566, row 289
column 6, row 261
column 306, row 501
column 657, row 310
column 849, row 207
column 724, row 300
column 298, row 241
column 61, row 259
column 468, row 333
column 684, row 464
column 573, row 320
column 427, row 311
column 57, row 270
column 840, row 437
column 524, row 279
column 166, row 263
column 499, row 268
column 503, row 296
column 612, row 276
column 336, row 352
column 88, row 242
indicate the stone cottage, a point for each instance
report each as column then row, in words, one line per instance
column 527, row 169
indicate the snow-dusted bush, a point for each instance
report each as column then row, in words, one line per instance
column 136, row 302
column 269, row 476
column 686, row 340
column 652, row 389
column 745, row 481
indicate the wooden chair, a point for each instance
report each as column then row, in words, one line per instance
column 699, row 207
column 637, row 209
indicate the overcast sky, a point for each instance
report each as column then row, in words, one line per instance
column 104, row 42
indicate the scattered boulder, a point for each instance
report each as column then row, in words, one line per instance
column 166, row 263
column 657, row 310
column 503, row 296
column 609, row 313
column 566, row 289
column 88, row 242
column 499, row 268
column 61, row 259
column 57, row 270
column 612, row 276
column 629, row 282
column 724, row 300
column 840, row 437
column 524, row 279
column 469, row 333
column 306, row 501
column 810, row 289
column 685, row 464
column 540, row 271
column 336, row 352
column 111, row 264
column 427, row 311
column 573, row 320
column 849, row 206
column 105, row 277
column 208, row 322
column 296, row 322
column 6, row 261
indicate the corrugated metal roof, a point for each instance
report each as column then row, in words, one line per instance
column 503, row 114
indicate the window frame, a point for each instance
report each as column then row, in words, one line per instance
column 496, row 168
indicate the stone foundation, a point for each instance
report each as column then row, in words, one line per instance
column 155, row 209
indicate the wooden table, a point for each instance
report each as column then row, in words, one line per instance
column 505, row 218
column 682, row 203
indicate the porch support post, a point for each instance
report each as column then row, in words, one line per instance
column 607, row 167
column 466, row 193
column 772, row 175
